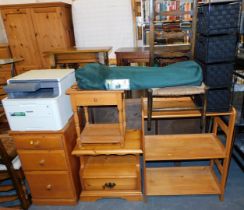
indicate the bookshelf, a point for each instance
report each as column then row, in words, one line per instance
column 172, row 20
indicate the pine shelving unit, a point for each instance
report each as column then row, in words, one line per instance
column 187, row 180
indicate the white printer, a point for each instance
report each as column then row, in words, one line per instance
column 37, row 100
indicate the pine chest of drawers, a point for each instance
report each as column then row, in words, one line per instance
column 50, row 169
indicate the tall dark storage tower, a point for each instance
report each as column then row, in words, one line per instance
column 215, row 50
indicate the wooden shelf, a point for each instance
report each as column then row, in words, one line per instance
column 95, row 167
column 101, row 133
column 181, row 180
column 176, row 102
column 183, row 147
column 132, row 145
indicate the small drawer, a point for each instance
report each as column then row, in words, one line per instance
column 50, row 184
column 110, row 184
column 42, row 160
column 97, row 98
column 38, row 141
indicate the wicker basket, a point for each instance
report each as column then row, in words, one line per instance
column 213, row 49
column 218, row 100
column 218, row 18
column 217, row 75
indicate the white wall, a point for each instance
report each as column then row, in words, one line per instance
column 103, row 23
column 30, row 1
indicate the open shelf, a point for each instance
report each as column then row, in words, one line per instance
column 101, row 133
column 176, row 102
column 183, row 147
column 132, row 145
column 181, row 181
column 116, row 166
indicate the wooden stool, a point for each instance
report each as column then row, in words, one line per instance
column 179, row 91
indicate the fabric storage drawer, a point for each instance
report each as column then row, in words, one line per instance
column 216, row 48
column 218, row 18
column 217, row 75
column 218, row 100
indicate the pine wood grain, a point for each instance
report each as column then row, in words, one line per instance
column 101, row 133
column 183, row 147
column 43, row 160
column 50, row 184
column 132, row 145
column 181, row 180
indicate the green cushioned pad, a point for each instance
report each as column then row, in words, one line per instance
column 93, row 76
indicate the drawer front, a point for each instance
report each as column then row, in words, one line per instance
column 96, row 99
column 42, row 160
column 50, row 184
column 110, row 184
column 38, row 141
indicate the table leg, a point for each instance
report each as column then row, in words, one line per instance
column 12, row 70
column 106, row 60
column 119, row 60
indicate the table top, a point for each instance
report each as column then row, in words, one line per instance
column 146, row 49
column 10, row 60
column 79, row 50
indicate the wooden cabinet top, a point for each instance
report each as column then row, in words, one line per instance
column 78, row 50
column 49, row 4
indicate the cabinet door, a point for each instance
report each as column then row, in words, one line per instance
column 5, row 70
column 21, row 37
column 51, row 29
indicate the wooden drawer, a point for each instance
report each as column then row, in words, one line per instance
column 42, row 160
column 38, row 141
column 109, row 172
column 110, row 184
column 97, row 98
column 50, row 185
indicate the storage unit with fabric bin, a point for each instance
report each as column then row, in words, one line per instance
column 215, row 50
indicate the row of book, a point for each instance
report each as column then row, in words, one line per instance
column 170, row 10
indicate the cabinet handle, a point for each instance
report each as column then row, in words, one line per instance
column 49, row 187
column 41, row 163
column 95, row 99
column 35, row 143
column 109, row 185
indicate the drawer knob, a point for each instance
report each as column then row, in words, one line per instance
column 109, row 185
column 35, row 143
column 49, row 187
column 95, row 99
column 41, row 163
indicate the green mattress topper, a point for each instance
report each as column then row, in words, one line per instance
column 95, row 76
